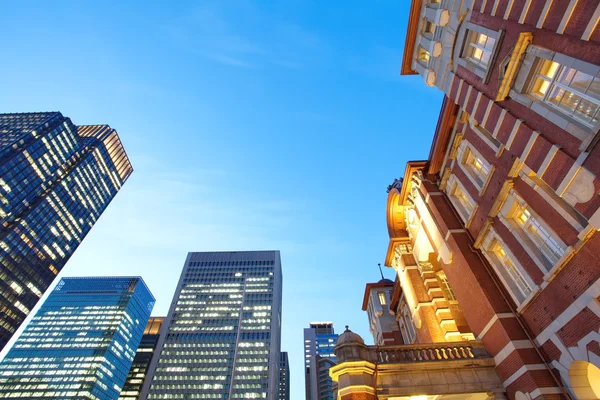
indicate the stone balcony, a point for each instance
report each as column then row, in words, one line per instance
column 440, row 371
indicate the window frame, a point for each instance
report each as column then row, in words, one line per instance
column 530, row 244
column 465, row 37
column 553, row 83
column 491, row 240
column 429, row 34
column 423, row 56
column 465, row 149
column 446, row 288
column 524, row 81
column 451, row 187
column 406, row 323
column 381, row 295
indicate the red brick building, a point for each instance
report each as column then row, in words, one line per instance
column 502, row 219
column 494, row 237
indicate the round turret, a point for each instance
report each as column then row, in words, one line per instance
column 349, row 337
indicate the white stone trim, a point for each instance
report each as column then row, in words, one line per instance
column 509, row 7
column 521, row 371
column 529, row 145
column 525, row 11
column 565, row 209
column 591, row 26
column 547, row 160
column 545, row 390
column 510, row 348
column 476, row 105
column 479, row 130
column 487, row 112
column 467, row 96
column 566, row 17
column 449, row 82
column 568, row 178
column 544, row 14
column 513, row 133
column 492, row 321
column 587, row 299
column 483, row 4
column 459, row 90
column 495, row 8
column 499, row 123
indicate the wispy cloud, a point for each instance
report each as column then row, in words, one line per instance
column 240, row 34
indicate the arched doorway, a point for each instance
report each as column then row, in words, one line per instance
column 585, row 380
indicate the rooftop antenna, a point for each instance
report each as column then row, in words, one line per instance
column 380, row 271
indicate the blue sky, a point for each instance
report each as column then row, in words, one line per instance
column 250, row 125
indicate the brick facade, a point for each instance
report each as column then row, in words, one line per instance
column 508, row 201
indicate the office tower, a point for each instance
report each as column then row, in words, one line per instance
column 382, row 319
column 139, row 368
column 56, row 179
column 319, row 342
column 224, row 326
column 284, row 376
column 81, row 342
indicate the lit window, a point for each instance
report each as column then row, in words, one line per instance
column 572, row 92
column 464, row 203
column 382, row 300
column 506, row 266
column 477, row 167
column 448, row 292
column 551, row 248
column 423, row 56
column 16, row 287
column 479, row 49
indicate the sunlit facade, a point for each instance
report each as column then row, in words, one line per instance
column 224, row 329
column 56, row 179
column 319, row 343
column 141, row 362
column 496, row 233
column 82, row 341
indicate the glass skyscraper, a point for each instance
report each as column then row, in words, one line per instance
column 284, row 376
column 141, row 362
column 56, row 179
column 224, row 327
column 319, row 342
column 82, row 341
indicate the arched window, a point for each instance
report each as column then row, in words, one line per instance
column 585, row 380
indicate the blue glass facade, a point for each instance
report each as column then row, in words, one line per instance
column 82, row 341
column 141, row 362
column 319, row 342
column 56, row 179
